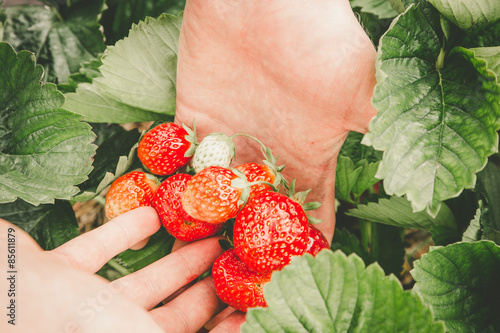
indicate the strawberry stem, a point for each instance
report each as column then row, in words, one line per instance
column 269, row 160
column 251, row 137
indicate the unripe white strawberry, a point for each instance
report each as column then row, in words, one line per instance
column 216, row 149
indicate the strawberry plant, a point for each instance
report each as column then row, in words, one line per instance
column 427, row 166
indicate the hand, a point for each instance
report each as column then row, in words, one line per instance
column 58, row 292
column 299, row 75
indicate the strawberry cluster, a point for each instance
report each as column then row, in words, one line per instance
column 201, row 195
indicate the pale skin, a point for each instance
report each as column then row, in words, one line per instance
column 299, row 75
column 57, row 291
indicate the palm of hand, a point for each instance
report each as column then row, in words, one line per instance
column 297, row 75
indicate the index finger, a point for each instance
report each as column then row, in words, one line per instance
column 155, row 282
column 93, row 249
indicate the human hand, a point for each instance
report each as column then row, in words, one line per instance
column 58, row 292
column 299, row 75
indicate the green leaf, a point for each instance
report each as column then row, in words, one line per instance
column 366, row 178
column 159, row 245
column 397, row 211
column 358, row 177
column 85, row 46
column 485, row 36
column 146, row 60
column 147, row 56
column 129, row 261
column 88, row 71
column 97, row 106
column 463, row 208
column 356, row 151
column 44, row 151
column 348, row 243
column 482, row 226
column 468, row 14
column 398, row 5
column 354, row 178
column 346, row 176
column 408, row 3
column 34, row 22
column 460, row 282
column 121, row 14
column 115, row 155
column 335, row 293
column 491, row 55
column 436, row 125
column 50, row 225
column 61, row 39
column 473, row 232
column 488, row 184
column 381, row 8
column 445, row 235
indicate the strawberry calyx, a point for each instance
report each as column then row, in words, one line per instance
column 191, row 138
column 242, row 183
column 300, row 198
column 226, row 243
column 152, row 180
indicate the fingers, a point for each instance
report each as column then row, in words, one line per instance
column 140, row 245
column 178, row 244
column 93, row 249
column 218, row 318
column 152, row 284
column 191, row 310
column 232, row 323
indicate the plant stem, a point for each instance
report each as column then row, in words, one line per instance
column 440, row 59
column 100, row 199
column 251, row 137
column 58, row 15
column 366, row 235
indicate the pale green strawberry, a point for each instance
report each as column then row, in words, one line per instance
column 216, row 149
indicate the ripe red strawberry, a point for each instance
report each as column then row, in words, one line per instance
column 130, row 191
column 210, row 195
column 167, row 202
column 214, row 149
column 269, row 230
column 316, row 241
column 257, row 172
column 166, row 148
column 236, row 284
